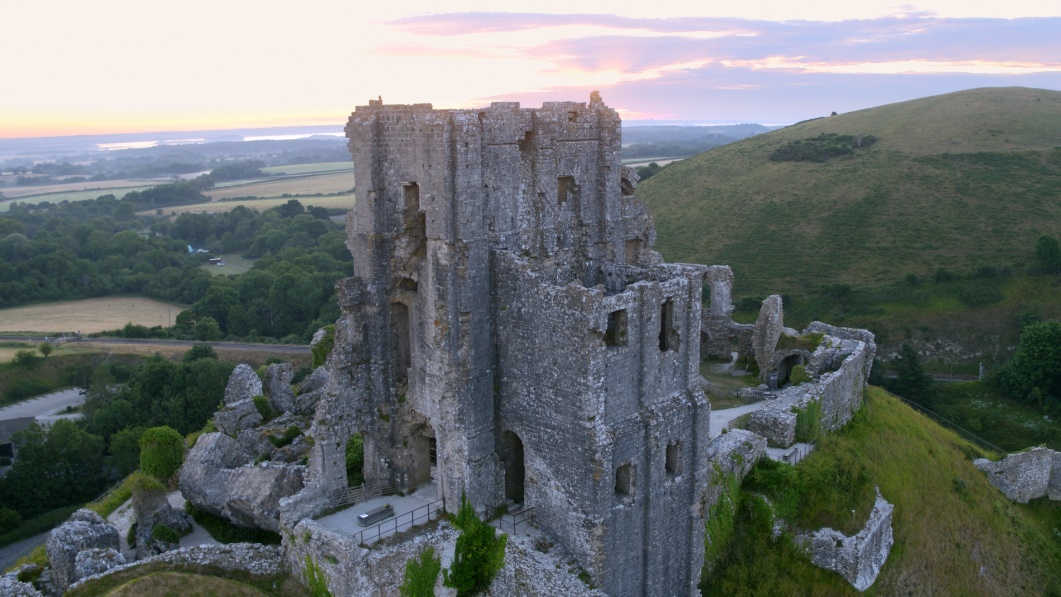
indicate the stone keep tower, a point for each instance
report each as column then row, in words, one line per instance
column 510, row 333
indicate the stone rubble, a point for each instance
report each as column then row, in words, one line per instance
column 83, row 530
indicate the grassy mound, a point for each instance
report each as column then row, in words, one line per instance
column 164, row 580
column 951, row 181
column 955, row 534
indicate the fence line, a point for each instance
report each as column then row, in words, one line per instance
column 965, row 433
column 365, row 492
column 412, row 518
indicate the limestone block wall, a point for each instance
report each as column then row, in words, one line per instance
column 732, row 453
column 838, row 393
column 857, row 558
column 601, row 392
column 1025, row 476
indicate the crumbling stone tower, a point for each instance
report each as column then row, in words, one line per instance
column 510, row 333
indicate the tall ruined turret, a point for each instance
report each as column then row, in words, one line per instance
column 510, row 334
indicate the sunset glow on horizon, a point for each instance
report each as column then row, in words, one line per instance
column 117, row 66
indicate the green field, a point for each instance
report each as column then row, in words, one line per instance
column 233, row 264
column 327, row 183
column 309, row 168
column 953, row 181
column 343, row 201
column 85, row 195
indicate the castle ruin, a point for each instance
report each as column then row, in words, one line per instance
column 510, row 334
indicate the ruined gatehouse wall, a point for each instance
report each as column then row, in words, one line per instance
column 838, row 393
column 1025, row 476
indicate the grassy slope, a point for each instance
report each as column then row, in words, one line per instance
column 954, row 533
column 955, row 179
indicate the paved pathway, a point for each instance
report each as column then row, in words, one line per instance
column 46, row 407
column 720, row 419
column 345, row 521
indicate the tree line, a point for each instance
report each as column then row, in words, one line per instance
column 86, row 249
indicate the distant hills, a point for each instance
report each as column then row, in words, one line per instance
column 951, row 181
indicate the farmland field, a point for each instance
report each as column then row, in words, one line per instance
column 87, row 316
column 309, row 168
column 83, row 195
column 233, row 264
column 102, row 187
column 301, row 185
column 345, row 201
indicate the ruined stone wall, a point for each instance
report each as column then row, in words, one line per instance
column 857, row 558
column 837, row 393
column 587, row 400
column 1025, row 476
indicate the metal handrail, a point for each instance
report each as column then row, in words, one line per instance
column 521, row 517
column 414, row 516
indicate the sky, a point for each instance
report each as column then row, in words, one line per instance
column 114, row 66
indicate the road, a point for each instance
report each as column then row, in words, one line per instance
column 9, row 554
column 47, row 407
column 280, row 348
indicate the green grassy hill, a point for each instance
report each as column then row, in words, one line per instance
column 953, row 181
column 955, row 534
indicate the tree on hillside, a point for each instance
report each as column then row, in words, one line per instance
column 1034, row 372
column 56, row 466
column 45, row 348
column 911, row 381
column 1048, row 254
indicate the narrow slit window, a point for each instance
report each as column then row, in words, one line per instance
column 624, row 480
column 666, row 325
column 616, row 333
column 673, row 464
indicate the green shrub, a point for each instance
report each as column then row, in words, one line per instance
column 799, row 375
column 322, row 349
column 161, row 452
column 355, row 460
column 821, row 148
column 720, row 520
column 161, row 532
column 421, row 574
column 478, row 555
column 9, row 520
column 25, row 358
column 289, row 436
column 264, row 408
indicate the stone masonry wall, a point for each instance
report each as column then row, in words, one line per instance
column 1025, row 476
column 838, row 393
column 858, row 558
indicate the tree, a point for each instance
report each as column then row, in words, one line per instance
column 206, row 330
column 199, row 351
column 124, row 447
column 1048, row 253
column 161, row 452
column 25, row 358
column 1034, row 372
column 45, row 348
column 56, row 466
column 478, row 555
column 421, row 574
column 911, row 382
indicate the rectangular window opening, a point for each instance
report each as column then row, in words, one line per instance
column 666, row 325
column 565, row 189
column 616, row 334
column 624, row 479
column 674, row 455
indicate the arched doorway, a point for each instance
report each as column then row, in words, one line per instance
column 515, row 473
